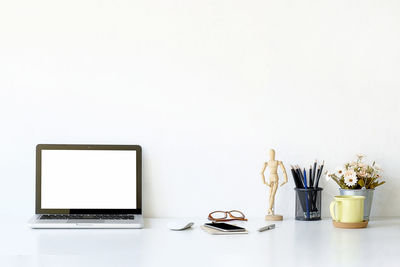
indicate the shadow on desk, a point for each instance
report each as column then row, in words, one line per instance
column 88, row 241
column 382, row 223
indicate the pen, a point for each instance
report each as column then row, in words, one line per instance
column 300, row 176
column 314, row 169
column 294, row 176
column 268, row 227
column 320, row 172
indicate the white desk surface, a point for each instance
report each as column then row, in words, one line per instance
column 292, row 243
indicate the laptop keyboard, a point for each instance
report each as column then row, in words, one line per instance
column 87, row 216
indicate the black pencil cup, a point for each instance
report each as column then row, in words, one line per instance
column 308, row 204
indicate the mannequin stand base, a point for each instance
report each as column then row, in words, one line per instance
column 275, row 217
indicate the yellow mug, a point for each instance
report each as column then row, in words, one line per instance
column 347, row 209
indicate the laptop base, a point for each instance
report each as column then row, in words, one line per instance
column 36, row 223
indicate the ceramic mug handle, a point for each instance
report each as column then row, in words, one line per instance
column 332, row 209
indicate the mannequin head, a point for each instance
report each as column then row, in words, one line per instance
column 272, row 154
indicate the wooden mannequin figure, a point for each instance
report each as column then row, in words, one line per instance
column 273, row 184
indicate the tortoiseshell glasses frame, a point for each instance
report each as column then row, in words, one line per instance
column 222, row 216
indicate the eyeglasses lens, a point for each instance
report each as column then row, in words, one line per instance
column 219, row 215
column 237, row 214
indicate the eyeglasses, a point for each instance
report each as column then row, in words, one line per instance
column 222, row 216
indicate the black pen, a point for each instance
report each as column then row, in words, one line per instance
column 320, row 172
column 319, row 169
column 300, row 176
column 296, row 181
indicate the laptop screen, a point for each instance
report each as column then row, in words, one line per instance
column 88, row 179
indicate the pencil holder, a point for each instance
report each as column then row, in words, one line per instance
column 308, row 204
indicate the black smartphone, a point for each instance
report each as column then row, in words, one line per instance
column 225, row 227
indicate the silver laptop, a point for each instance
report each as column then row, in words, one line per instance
column 88, row 186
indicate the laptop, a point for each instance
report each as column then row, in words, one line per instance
column 88, row 186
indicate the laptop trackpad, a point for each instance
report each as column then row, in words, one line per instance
column 85, row 221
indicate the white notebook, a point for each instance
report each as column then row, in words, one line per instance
column 217, row 232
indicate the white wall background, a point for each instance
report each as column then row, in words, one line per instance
column 206, row 87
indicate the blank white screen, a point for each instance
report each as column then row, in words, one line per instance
column 88, row 179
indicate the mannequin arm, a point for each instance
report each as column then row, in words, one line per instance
column 262, row 173
column 284, row 173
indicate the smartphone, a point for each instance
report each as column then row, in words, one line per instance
column 225, row 227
